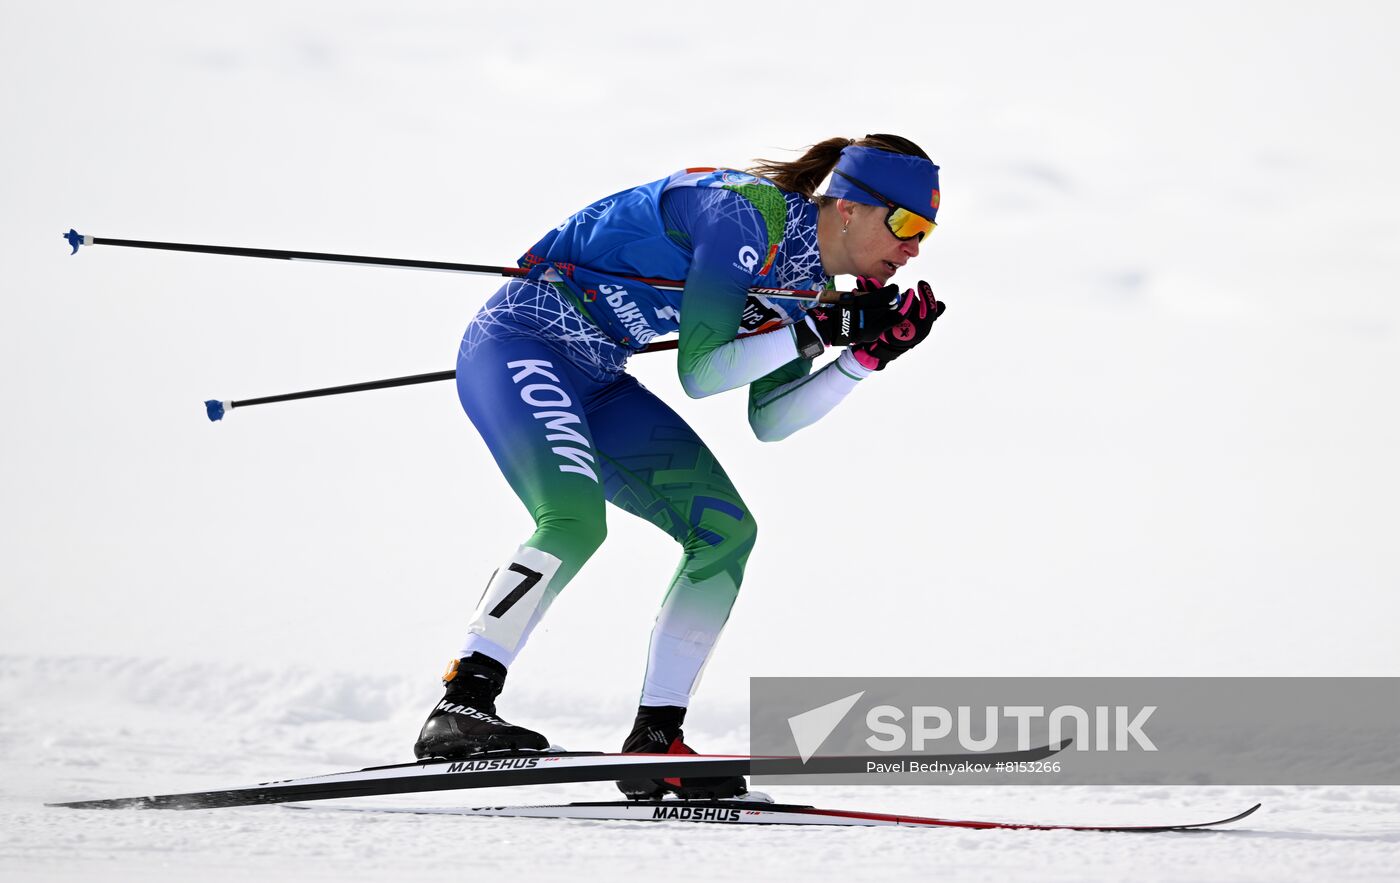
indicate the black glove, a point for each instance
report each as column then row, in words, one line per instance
column 859, row 317
column 917, row 313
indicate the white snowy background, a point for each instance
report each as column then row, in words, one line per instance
column 1155, row 434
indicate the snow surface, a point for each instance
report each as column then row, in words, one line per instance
column 1156, row 434
column 83, row 727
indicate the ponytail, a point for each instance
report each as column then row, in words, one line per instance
column 806, row 173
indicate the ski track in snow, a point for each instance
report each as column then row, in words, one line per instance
column 160, row 725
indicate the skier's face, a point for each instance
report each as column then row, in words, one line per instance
column 873, row 250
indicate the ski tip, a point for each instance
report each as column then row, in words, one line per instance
column 76, row 239
column 215, row 409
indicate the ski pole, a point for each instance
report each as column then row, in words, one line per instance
column 77, row 239
column 217, row 409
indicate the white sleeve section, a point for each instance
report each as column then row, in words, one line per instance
column 740, row 362
column 806, row 400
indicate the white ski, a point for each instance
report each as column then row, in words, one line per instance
column 756, row 812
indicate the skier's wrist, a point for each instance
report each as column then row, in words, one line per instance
column 849, row 362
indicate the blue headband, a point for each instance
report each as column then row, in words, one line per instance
column 911, row 182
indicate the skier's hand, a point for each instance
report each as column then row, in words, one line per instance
column 917, row 312
column 859, row 318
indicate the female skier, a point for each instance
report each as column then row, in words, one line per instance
column 541, row 374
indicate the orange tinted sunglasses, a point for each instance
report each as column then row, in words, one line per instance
column 902, row 222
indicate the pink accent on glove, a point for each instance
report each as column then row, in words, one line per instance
column 920, row 309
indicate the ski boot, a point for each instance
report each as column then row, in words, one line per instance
column 465, row 722
column 658, row 731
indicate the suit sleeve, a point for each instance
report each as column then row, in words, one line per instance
column 729, row 241
column 792, row 397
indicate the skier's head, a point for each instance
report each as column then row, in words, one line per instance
column 878, row 199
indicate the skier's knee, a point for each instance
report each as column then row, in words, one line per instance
column 591, row 533
column 579, row 533
column 727, row 537
column 750, row 528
